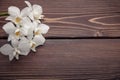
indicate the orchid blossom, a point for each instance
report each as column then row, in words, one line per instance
column 17, row 48
column 25, row 31
column 36, row 12
column 38, row 38
column 16, row 16
column 12, row 31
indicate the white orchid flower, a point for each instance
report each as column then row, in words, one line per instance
column 25, row 30
column 36, row 12
column 13, row 31
column 16, row 32
column 41, row 29
column 36, row 38
column 18, row 48
column 16, row 15
column 27, row 27
column 36, row 41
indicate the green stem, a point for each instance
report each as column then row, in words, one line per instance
column 3, row 13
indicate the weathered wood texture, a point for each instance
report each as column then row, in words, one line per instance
column 76, row 18
column 68, row 54
column 67, row 59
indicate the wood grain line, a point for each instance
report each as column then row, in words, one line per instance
column 94, row 20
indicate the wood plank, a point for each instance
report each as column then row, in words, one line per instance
column 68, row 6
column 76, row 25
column 75, row 18
column 92, row 59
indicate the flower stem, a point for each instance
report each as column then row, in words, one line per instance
column 3, row 13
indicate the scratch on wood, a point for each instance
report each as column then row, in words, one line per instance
column 98, row 34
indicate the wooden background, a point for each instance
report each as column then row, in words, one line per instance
column 83, row 42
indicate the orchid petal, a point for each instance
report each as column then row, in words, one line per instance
column 28, row 4
column 31, row 16
column 9, row 28
column 44, row 28
column 37, row 9
column 13, row 11
column 10, row 37
column 39, row 40
column 35, row 24
column 11, row 56
column 27, row 28
column 14, row 42
column 17, row 56
column 33, row 49
column 6, row 49
column 26, row 20
column 24, row 46
column 25, row 11
column 9, row 18
column 30, row 34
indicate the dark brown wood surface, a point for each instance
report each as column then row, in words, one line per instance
column 75, row 18
column 67, row 59
column 77, row 45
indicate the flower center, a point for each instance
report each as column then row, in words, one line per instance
column 17, row 32
column 16, row 52
column 18, row 19
column 33, row 45
column 37, row 32
column 36, row 17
